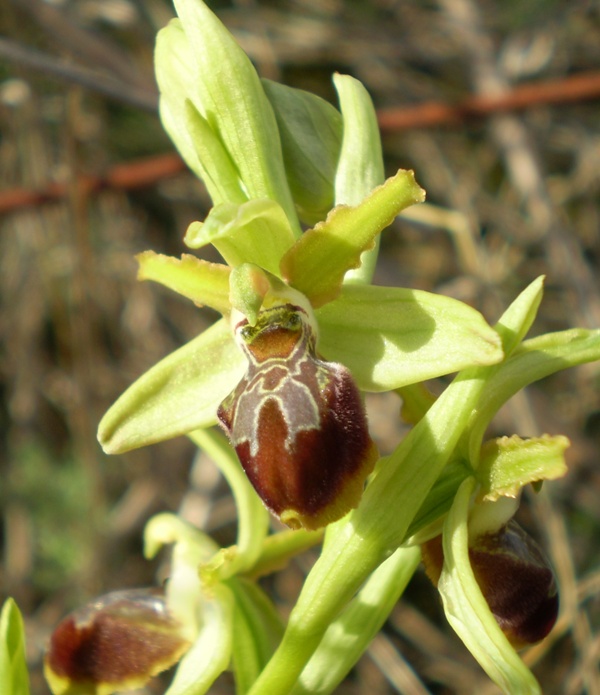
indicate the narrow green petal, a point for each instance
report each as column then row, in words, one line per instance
column 467, row 610
column 257, row 231
column 360, row 167
column 509, row 463
column 318, row 261
column 203, row 282
column 179, row 394
column 389, row 337
column 311, row 136
column 227, row 92
column 14, row 678
column 348, row 637
column 210, row 655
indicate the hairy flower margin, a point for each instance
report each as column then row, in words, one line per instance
column 325, row 171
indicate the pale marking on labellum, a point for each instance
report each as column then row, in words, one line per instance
column 294, row 398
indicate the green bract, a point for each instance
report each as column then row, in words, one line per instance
column 274, row 159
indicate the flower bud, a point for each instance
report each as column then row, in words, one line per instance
column 117, row 642
column 515, row 579
column 297, row 423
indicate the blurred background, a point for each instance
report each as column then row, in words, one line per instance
column 494, row 104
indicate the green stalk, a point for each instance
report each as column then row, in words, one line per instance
column 373, row 531
column 348, row 637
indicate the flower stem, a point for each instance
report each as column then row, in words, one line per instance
column 373, row 531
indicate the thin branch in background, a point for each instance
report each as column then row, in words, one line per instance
column 522, row 163
column 150, row 170
column 434, row 113
column 23, row 56
column 138, row 174
column 86, row 46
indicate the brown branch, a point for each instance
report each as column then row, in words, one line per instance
column 576, row 88
column 148, row 171
column 129, row 176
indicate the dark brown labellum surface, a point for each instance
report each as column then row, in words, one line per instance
column 297, row 422
column 515, row 578
column 517, row 582
column 117, row 642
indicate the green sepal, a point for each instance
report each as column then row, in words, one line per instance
column 14, row 678
column 191, row 549
column 179, row 394
column 467, row 610
column 257, row 629
column 311, row 135
column 390, row 337
column 512, row 327
column 256, row 232
column 226, row 91
column 210, row 654
column 509, row 463
column 206, row 284
column 317, row 262
column 347, row 637
column 360, row 168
